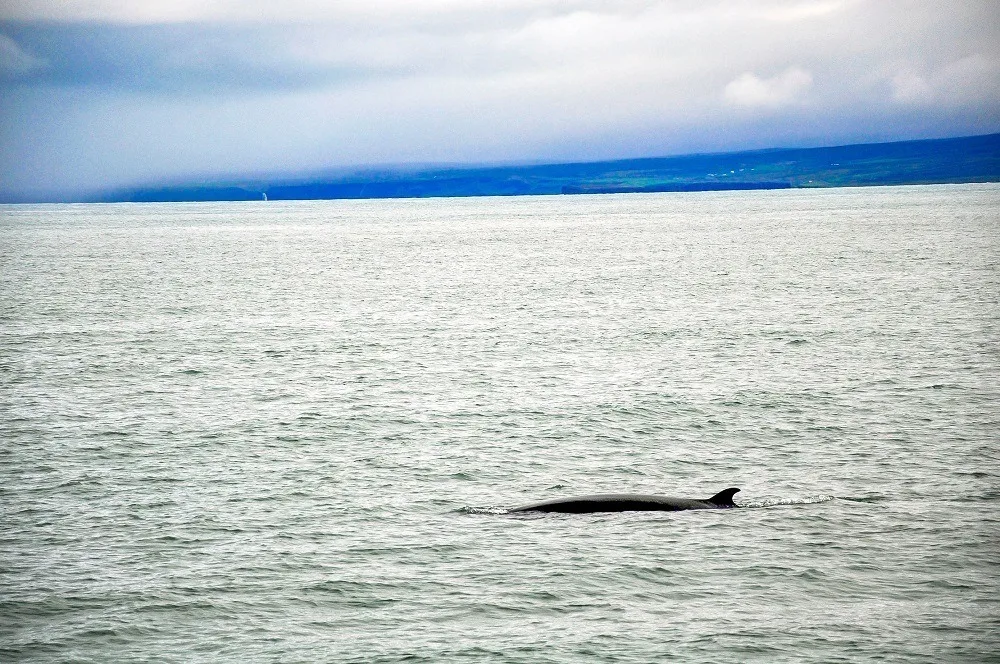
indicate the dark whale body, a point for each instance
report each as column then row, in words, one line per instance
column 630, row 502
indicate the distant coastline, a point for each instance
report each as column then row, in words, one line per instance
column 674, row 186
column 936, row 161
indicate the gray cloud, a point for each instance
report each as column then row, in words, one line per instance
column 15, row 63
column 122, row 91
column 190, row 59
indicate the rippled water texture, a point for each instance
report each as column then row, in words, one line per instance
column 288, row 431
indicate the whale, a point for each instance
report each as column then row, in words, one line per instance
column 630, row 502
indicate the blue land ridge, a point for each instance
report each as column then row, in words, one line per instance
column 934, row 161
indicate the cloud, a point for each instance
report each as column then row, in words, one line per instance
column 181, row 59
column 15, row 62
column 749, row 90
column 909, row 87
column 386, row 12
column 974, row 78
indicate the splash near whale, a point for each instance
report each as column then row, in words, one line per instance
column 631, row 502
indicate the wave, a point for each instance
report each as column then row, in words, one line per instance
column 493, row 510
column 774, row 502
column 865, row 499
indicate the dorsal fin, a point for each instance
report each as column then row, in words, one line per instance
column 724, row 498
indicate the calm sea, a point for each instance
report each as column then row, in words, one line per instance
column 265, row 432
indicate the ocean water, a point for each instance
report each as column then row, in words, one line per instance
column 290, row 431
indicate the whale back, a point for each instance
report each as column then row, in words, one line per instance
column 629, row 502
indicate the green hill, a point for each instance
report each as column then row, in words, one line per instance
column 950, row 160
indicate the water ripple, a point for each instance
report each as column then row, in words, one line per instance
column 288, row 431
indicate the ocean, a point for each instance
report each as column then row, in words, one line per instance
column 290, row 431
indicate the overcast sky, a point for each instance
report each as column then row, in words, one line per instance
column 99, row 93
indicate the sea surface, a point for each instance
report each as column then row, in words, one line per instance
column 289, row 431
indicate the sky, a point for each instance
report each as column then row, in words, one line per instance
column 97, row 94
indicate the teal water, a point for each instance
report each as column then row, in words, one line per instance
column 289, row 431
